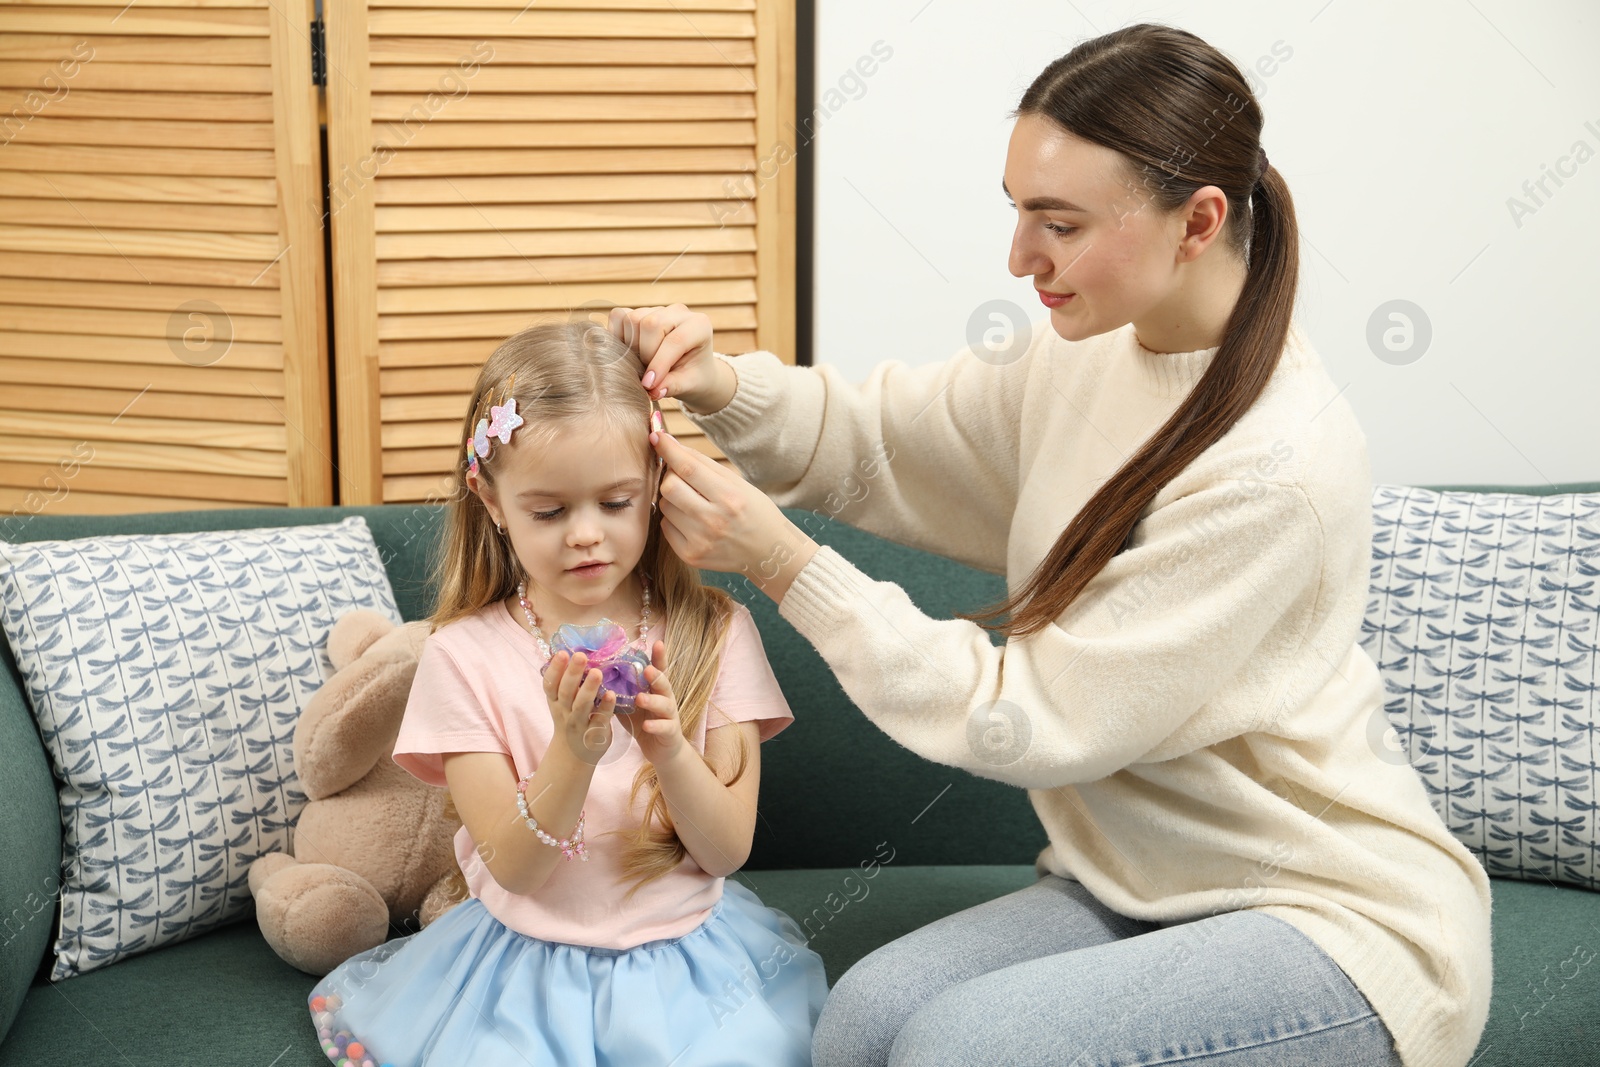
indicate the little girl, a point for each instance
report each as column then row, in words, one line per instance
column 599, row 927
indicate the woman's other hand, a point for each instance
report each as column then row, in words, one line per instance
column 715, row 520
column 674, row 348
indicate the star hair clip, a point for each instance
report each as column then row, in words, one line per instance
column 503, row 419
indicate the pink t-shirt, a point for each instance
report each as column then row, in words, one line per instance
column 478, row 689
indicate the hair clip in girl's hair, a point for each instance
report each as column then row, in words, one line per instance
column 504, row 420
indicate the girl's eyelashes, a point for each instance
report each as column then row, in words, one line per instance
column 609, row 505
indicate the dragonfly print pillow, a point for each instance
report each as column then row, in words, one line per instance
column 167, row 673
column 1485, row 626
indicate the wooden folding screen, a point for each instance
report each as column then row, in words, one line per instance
column 494, row 165
column 162, row 321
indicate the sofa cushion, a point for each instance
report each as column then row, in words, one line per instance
column 228, row 991
column 225, row 991
column 1544, row 1005
column 167, row 674
column 227, row 997
column 30, row 842
column 30, row 832
column 1485, row 625
column 846, row 912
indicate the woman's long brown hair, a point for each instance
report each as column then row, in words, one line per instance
column 1183, row 116
column 570, row 374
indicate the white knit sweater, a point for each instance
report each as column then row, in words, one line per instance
column 1196, row 731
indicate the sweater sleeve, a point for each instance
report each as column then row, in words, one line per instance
column 1163, row 626
column 926, row 456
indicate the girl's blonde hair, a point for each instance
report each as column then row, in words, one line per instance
column 567, row 374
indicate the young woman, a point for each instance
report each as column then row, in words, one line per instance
column 1180, row 501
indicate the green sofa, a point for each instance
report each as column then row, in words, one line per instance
column 859, row 840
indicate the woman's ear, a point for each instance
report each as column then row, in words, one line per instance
column 1201, row 221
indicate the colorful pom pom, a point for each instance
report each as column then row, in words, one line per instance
column 606, row 645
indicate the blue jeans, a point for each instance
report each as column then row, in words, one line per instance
column 1049, row 975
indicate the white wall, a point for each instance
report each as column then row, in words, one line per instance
column 1402, row 129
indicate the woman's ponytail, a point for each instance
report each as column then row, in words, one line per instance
column 1140, row 90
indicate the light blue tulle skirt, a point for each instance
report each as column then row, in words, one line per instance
column 743, row 987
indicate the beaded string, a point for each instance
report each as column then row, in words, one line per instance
column 570, row 847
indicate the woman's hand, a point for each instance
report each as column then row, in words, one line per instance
column 715, row 520
column 674, row 347
column 654, row 722
column 583, row 727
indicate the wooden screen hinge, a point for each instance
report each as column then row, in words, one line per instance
column 319, row 54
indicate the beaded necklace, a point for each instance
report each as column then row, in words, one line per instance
column 544, row 645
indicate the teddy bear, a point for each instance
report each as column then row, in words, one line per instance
column 373, row 847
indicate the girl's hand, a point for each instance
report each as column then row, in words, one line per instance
column 674, row 345
column 654, row 722
column 582, row 726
